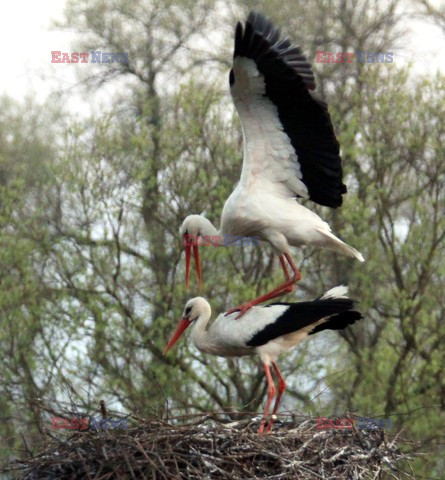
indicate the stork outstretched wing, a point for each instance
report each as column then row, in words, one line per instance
column 290, row 146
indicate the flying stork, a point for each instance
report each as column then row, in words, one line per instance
column 267, row 331
column 290, row 151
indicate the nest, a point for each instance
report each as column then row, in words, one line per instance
column 204, row 447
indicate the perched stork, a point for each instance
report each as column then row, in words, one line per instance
column 266, row 331
column 290, row 151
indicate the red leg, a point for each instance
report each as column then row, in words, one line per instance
column 297, row 274
column 283, row 266
column 270, row 394
column 281, row 388
column 288, row 278
column 285, row 287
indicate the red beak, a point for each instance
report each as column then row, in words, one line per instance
column 198, row 265
column 183, row 324
column 188, row 250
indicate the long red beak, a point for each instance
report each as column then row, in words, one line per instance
column 180, row 329
column 188, row 252
column 198, row 265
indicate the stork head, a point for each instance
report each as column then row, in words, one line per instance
column 195, row 308
column 192, row 229
column 192, row 225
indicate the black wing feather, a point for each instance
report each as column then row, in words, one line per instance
column 338, row 312
column 304, row 117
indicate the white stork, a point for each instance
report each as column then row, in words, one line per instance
column 290, row 150
column 266, row 331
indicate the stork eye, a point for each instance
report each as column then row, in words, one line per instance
column 231, row 77
column 187, row 311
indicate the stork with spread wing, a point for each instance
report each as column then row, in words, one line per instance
column 290, row 152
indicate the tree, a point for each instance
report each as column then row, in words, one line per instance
column 27, row 198
column 93, row 255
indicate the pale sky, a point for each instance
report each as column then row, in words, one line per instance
column 28, row 39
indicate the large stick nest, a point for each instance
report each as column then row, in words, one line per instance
column 203, row 447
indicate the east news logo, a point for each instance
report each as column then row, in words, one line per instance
column 58, row 423
column 98, row 56
column 348, row 57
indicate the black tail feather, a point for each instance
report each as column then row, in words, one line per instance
column 339, row 321
column 337, row 312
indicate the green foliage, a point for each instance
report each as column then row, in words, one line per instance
column 91, row 268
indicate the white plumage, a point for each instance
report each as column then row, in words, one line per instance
column 290, row 151
column 265, row 331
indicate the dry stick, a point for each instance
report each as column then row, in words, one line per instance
column 232, row 451
column 103, row 409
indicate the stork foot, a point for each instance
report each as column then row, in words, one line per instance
column 270, row 424
column 261, row 427
column 242, row 309
column 266, row 426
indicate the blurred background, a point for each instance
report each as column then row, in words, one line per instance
column 100, row 163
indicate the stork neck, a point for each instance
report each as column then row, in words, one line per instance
column 210, row 232
column 208, row 228
column 200, row 333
